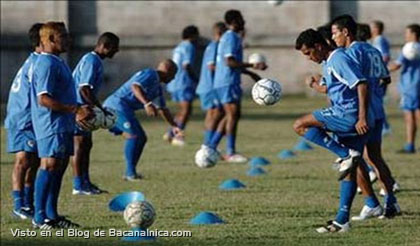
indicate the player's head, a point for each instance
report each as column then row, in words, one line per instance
column 218, row 29
column 107, row 45
column 190, row 33
column 167, row 70
column 312, row 45
column 234, row 20
column 344, row 30
column 54, row 37
column 377, row 27
column 412, row 33
column 325, row 31
column 33, row 34
column 363, row 32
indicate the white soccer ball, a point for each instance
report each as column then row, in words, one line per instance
column 96, row 121
column 140, row 214
column 109, row 119
column 266, row 92
column 275, row 2
column 256, row 58
column 206, row 157
column 411, row 51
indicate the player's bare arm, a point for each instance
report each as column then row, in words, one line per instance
column 362, row 92
column 141, row 96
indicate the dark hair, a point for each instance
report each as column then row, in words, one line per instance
column 346, row 21
column 108, row 39
column 232, row 15
column 189, row 32
column 415, row 28
column 33, row 34
column 325, row 31
column 221, row 26
column 379, row 24
column 363, row 32
column 309, row 38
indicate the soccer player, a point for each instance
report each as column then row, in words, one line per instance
column 182, row 88
column 88, row 78
column 227, row 81
column 21, row 137
column 410, row 89
column 142, row 91
column 373, row 68
column 53, row 110
column 209, row 102
column 347, row 118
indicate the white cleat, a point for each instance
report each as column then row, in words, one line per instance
column 235, row 158
column 178, row 141
column 372, row 176
column 82, row 192
column 167, row 137
column 334, row 226
column 348, row 164
column 368, row 212
column 359, row 190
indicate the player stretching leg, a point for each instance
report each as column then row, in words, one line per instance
column 348, row 118
column 227, row 83
column 53, row 110
column 183, row 85
column 209, row 102
column 88, row 77
column 141, row 91
column 410, row 89
column 21, row 137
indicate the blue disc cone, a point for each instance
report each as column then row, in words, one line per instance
column 302, row 145
column 255, row 171
column 258, row 161
column 206, row 218
column 286, row 154
column 118, row 203
column 138, row 235
column 231, row 184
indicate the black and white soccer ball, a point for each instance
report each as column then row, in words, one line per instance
column 411, row 51
column 206, row 157
column 139, row 214
column 110, row 119
column 266, row 92
column 256, row 58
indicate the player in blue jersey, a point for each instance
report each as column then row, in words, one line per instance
column 227, row 83
column 142, row 91
column 347, row 117
column 409, row 88
column 208, row 98
column 88, row 78
column 182, row 87
column 373, row 68
column 21, row 137
column 53, row 110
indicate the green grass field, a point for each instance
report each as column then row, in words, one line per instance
column 280, row 208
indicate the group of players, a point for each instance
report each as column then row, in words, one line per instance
column 49, row 109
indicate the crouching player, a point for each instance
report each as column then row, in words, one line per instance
column 53, row 110
column 20, row 133
column 347, row 118
column 141, row 91
column 88, row 77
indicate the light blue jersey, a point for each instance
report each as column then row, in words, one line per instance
column 373, row 69
column 205, row 85
column 382, row 44
column 19, row 104
column 183, row 55
column 52, row 76
column 124, row 100
column 230, row 45
column 409, row 82
column 88, row 72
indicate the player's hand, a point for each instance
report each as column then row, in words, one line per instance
column 362, row 126
column 83, row 114
column 151, row 110
column 260, row 66
column 309, row 81
column 177, row 132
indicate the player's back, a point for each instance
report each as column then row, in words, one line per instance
column 206, row 77
column 382, row 44
column 183, row 54
column 410, row 70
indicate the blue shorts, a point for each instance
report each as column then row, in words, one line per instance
column 209, row 100
column 375, row 133
column 186, row 95
column 21, row 140
column 127, row 123
column 59, row 145
column 410, row 102
column 229, row 94
column 342, row 125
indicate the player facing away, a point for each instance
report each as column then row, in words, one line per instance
column 348, row 118
column 88, row 78
column 205, row 91
column 373, row 68
column 53, row 110
column 409, row 88
column 380, row 42
column 20, row 133
column 182, row 87
column 142, row 91
column 227, row 83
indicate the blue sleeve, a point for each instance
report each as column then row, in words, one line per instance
column 384, row 47
column 145, row 79
column 45, row 75
column 210, row 54
column 229, row 47
column 88, row 72
column 188, row 54
column 401, row 60
column 347, row 71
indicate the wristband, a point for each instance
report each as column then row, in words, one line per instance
column 149, row 103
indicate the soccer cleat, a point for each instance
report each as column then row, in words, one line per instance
column 134, row 178
column 334, row 226
column 368, row 212
column 395, row 188
column 62, row 222
column 359, row 190
column 95, row 189
column 178, row 141
column 390, row 211
column 46, row 225
column 167, row 137
column 235, row 158
column 372, row 176
column 23, row 213
column 85, row 190
column 349, row 163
